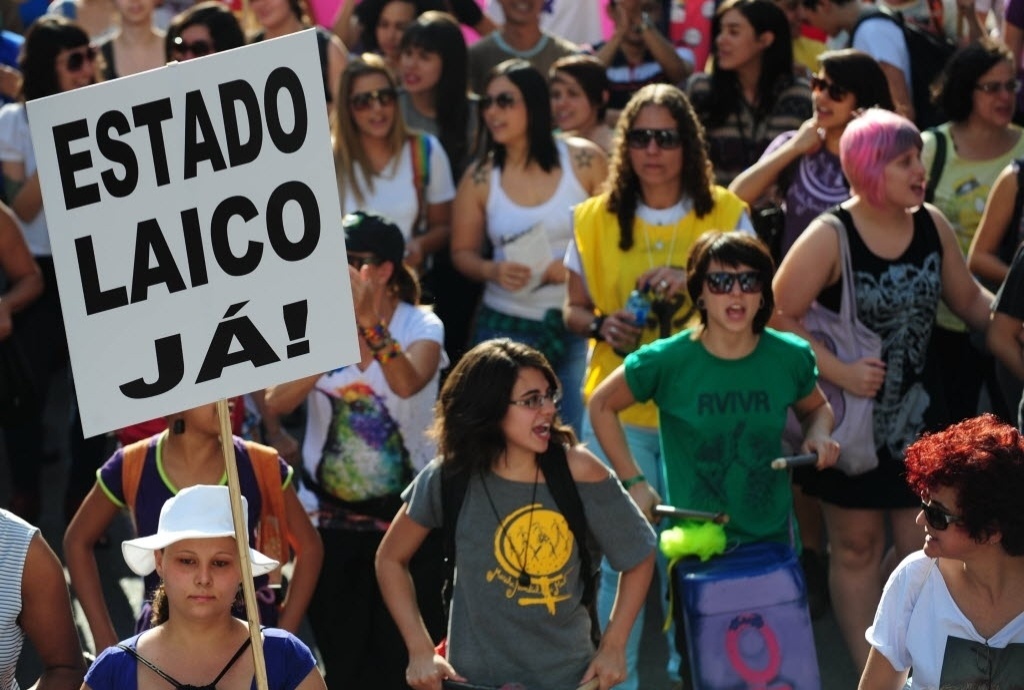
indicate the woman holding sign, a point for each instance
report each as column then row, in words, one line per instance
column 56, row 57
column 196, row 642
column 142, row 476
column 518, row 197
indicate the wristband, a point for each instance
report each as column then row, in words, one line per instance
column 376, row 336
column 388, row 351
column 594, row 329
column 628, row 484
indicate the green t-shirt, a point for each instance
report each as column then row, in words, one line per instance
column 721, row 422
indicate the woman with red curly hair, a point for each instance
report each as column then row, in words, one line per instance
column 954, row 612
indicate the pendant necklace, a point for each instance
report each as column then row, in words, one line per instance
column 659, row 245
column 524, row 579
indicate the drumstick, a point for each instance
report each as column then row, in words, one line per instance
column 794, row 461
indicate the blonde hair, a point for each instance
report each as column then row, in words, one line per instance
column 348, row 147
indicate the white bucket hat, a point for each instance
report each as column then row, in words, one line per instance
column 198, row 512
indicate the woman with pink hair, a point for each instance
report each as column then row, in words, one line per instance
column 905, row 258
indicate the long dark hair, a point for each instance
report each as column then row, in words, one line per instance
column 776, row 61
column 44, row 40
column 475, row 399
column 439, row 32
column 368, row 13
column 624, row 192
column 534, row 89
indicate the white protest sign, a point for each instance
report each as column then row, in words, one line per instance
column 196, row 231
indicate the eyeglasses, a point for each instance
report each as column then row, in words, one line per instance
column 503, row 100
column 937, row 518
column 834, row 91
column 76, row 60
column 364, row 101
column 993, row 87
column 196, row 48
column 721, row 282
column 664, row 138
column 358, row 262
column 536, row 401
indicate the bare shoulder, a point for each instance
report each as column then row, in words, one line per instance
column 584, row 152
column 585, row 467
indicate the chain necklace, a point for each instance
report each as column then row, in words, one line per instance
column 524, row 577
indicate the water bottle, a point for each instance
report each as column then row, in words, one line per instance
column 639, row 306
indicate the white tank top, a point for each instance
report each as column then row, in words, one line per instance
column 508, row 223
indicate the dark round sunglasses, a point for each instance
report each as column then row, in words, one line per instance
column 196, row 48
column 937, row 518
column 834, row 91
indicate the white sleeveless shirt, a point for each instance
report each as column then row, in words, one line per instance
column 508, row 223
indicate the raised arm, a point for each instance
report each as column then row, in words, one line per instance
column 754, row 182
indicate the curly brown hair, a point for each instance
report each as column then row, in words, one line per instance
column 624, row 187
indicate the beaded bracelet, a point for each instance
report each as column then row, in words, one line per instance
column 376, row 336
column 388, row 351
column 627, row 484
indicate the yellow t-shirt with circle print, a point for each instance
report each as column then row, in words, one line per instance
column 610, row 275
column 961, row 194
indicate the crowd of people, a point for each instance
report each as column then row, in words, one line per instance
column 587, row 273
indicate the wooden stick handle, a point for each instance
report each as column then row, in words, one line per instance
column 252, row 611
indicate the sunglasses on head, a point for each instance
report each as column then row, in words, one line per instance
column 196, row 48
column 503, row 100
column 990, row 87
column 358, row 262
column 536, row 401
column 834, row 91
column 364, row 101
column 937, row 518
column 76, row 60
column 664, row 138
column 721, row 282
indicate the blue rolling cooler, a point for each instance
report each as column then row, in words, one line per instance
column 746, row 619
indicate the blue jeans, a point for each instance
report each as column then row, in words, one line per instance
column 646, row 449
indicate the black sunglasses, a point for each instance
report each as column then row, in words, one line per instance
column 503, row 100
column 358, row 262
column 721, row 282
column 937, row 518
column 196, row 48
column 664, row 138
column 76, row 60
column 364, row 101
column 834, row 91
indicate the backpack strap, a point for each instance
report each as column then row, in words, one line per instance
column 453, row 492
column 938, row 164
column 133, row 460
column 419, row 146
column 554, row 463
column 272, row 535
